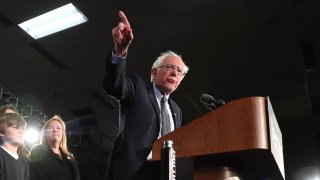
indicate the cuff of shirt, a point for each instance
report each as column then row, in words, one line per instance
column 115, row 59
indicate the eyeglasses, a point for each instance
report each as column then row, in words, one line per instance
column 171, row 68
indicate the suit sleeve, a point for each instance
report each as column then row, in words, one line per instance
column 115, row 82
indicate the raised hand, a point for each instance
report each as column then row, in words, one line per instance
column 122, row 35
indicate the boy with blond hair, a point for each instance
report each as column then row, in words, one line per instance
column 13, row 157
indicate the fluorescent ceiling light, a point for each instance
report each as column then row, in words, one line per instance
column 53, row 21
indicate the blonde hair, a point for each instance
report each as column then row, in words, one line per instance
column 12, row 119
column 63, row 144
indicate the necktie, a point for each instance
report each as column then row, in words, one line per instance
column 165, row 117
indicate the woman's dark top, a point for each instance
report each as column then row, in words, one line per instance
column 46, row 165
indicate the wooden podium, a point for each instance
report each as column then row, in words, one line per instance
column 242, row 137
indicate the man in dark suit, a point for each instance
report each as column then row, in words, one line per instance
column 141, row 122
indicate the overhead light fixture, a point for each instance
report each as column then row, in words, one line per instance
column 53, row 21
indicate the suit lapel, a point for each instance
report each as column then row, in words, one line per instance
column 154, row 102
column 174, row 114
column 174, row 109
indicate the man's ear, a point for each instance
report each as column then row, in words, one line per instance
column 154, row 71
column 1, row 135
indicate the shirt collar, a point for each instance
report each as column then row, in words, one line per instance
column 157, row 93
column 16, row 156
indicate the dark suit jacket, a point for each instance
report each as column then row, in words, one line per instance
column 139, row 121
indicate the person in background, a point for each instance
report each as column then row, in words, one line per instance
column 8, row 108
column 13, row 160
column 147, row 112
column 51, row 159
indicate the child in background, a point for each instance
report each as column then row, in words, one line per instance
column 8, row 108
column 13, row 158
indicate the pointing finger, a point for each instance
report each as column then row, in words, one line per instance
column 123, row 18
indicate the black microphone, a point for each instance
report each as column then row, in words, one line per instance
column 210, row 102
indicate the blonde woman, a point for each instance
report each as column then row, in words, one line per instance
column 51, row 159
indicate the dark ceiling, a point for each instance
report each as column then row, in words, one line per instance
column 234, row 48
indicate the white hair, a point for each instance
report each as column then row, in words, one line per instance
column 162, row 57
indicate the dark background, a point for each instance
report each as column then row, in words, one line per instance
column 234, row 48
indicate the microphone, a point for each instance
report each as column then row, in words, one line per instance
column 210, row 102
